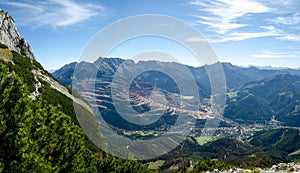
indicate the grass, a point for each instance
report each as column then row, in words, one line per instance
column 5, row 54
column 203, row 140
column 297, row 152
column 155, row 165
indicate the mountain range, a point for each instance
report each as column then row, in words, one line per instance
column 260, row 101
column 262, row 104
column 253, row 95
column 40, row 130
column 262, row 108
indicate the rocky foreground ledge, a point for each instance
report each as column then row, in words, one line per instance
column 279, row 168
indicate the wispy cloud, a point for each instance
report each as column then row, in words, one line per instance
column 238, row 36
column 238, row 20
column 290, row 37
column 283, row 6
column 268, row 54
column 221, row 15
column 22, row 5
column 291, row 19
column 55, row 13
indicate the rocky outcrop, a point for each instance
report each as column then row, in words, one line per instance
column 10, row 36
column 279, row 168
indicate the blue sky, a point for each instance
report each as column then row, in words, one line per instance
column 243, row 32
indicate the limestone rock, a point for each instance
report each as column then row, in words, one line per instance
column 10, row 36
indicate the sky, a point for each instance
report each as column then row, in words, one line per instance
column 243, row 32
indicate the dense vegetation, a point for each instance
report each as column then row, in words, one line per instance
column 36, row 136
column 210, row 165
column 259, row 101
column 263, row 149
column 23, row 66
column 3, row 46
column 43, row 135
column 254, row 96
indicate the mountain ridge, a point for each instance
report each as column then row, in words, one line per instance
column 11, row 37
column 46, row 139
column 247, row 88
column 277, row 97
column 235, row 76
column 39, row 129
column 12, row 40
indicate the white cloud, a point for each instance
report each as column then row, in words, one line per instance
column 239, row 36
column 268, row 54
column 291, row 19
column 23, row 5
column 225, row 19
column 56, row 13
column 290, row 37
column 283, row 6
column 221, row 15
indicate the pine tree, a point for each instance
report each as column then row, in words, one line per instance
column 38, row 137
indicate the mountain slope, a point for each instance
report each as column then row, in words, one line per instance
column 39, row 130
column 277, row 97
column 262, row 149
column 38, row 137
column 255, row 95
column 18, row 55
column 235, row 76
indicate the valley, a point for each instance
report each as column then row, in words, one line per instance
column 240, row 137
column 120, row 115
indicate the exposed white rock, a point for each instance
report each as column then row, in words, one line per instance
column 279, row 168
column 57, row 86
column 37, row 86
column 10, row 36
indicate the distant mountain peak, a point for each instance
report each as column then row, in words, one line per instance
column 11, row 37
column 285, row 75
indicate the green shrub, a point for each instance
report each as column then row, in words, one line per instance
column 3, row 46
column 210, row 165
column 22, row 66
column 36, row 136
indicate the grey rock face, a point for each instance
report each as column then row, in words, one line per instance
column 10, row 36
column 279, row 168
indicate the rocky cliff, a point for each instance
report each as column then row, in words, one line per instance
column 31, row 72
column 10, row 36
